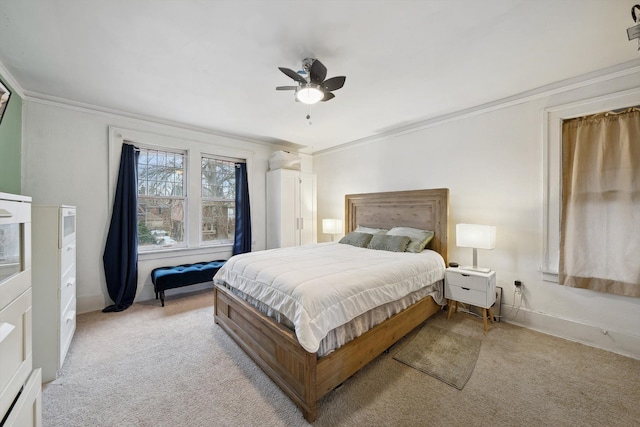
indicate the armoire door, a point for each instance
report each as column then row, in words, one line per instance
column 307, row 209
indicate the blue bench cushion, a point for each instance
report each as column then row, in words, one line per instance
column 164, row 278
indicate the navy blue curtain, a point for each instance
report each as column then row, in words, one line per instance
column 242, row 241
column 121, row 251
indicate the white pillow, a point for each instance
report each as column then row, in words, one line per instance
column 370, row 230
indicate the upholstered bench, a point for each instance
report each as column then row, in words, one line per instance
column 164, row 278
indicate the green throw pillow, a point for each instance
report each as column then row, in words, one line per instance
column 385, row 242
column 360, row 240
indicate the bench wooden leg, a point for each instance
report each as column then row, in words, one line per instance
column 162, row 298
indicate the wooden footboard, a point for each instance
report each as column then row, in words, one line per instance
column 300, row 374
column 272, row 346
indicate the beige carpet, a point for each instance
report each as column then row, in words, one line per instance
column 443, row 354
column 172, row 366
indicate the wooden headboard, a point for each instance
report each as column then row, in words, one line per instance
column 424, row 209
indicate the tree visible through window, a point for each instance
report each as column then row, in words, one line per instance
column 218, row 200
column 161, row 199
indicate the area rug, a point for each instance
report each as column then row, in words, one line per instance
column 445, row 355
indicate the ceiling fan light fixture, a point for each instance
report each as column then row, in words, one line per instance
column 309, row 93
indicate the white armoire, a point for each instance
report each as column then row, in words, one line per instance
column 291, row 208
column 54, row 286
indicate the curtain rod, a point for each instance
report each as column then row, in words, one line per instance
column 619, row 111
column 212, row 156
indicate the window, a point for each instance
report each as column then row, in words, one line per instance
column 218, row 200
column 161, row 199
column 553, row 167
column 186, row 191
column 600, row 235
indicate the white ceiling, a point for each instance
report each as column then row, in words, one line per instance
column 214, row 64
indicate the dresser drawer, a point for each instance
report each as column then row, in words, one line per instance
column 67, row 329
column 68, row 286
column 15, row 348
column 68, row 257
column 27, row 411
column 14, row 287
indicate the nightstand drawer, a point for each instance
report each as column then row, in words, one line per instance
column 469, row 296
column 468, row 281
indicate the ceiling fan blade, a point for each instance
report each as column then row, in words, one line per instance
column 286, row 87
column 328, row 96
column 334, row 83
column 295, row 76
column 317, row 72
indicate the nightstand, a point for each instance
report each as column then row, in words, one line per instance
column 471, row 287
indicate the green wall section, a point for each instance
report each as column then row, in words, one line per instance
column 11, row 144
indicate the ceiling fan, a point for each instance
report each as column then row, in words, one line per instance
column 312, row 86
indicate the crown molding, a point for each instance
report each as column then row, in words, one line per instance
column 588, row 79
column 68, row 104
column 8, row 78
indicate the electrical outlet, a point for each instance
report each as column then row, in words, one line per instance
column 518, row 285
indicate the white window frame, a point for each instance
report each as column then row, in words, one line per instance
column 195, row 145
column 553, row 118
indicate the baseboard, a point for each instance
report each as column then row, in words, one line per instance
column 593, row 336
column 90, row 303
column 86, row 304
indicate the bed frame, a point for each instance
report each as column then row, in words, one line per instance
column 304, row 376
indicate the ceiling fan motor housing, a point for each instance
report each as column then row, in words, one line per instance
column 307, row 63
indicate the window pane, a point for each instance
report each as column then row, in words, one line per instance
column 160, row 223
column 218, row 200
column 218, row 221
column 218, row 179
column 161, row 202
column 160, row 173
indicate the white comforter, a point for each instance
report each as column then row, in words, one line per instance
column 320, row 287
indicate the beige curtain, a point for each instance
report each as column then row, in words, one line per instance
column 600, row 225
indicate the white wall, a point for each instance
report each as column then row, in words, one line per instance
column 492, row 160
column 65, row 161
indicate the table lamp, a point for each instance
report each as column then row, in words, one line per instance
column 332, row 226
column 476, row 236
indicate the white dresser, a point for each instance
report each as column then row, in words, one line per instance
column 291, row 208
column 20, row 385
column 54, row 286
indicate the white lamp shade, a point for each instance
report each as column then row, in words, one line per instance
column 332, row 226
column 476, row 236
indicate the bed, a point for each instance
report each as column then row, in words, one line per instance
column 305, row 376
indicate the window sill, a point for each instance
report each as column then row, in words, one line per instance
column 223, row 250
column 549, row 276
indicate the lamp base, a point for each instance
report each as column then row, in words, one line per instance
column 478, row 269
